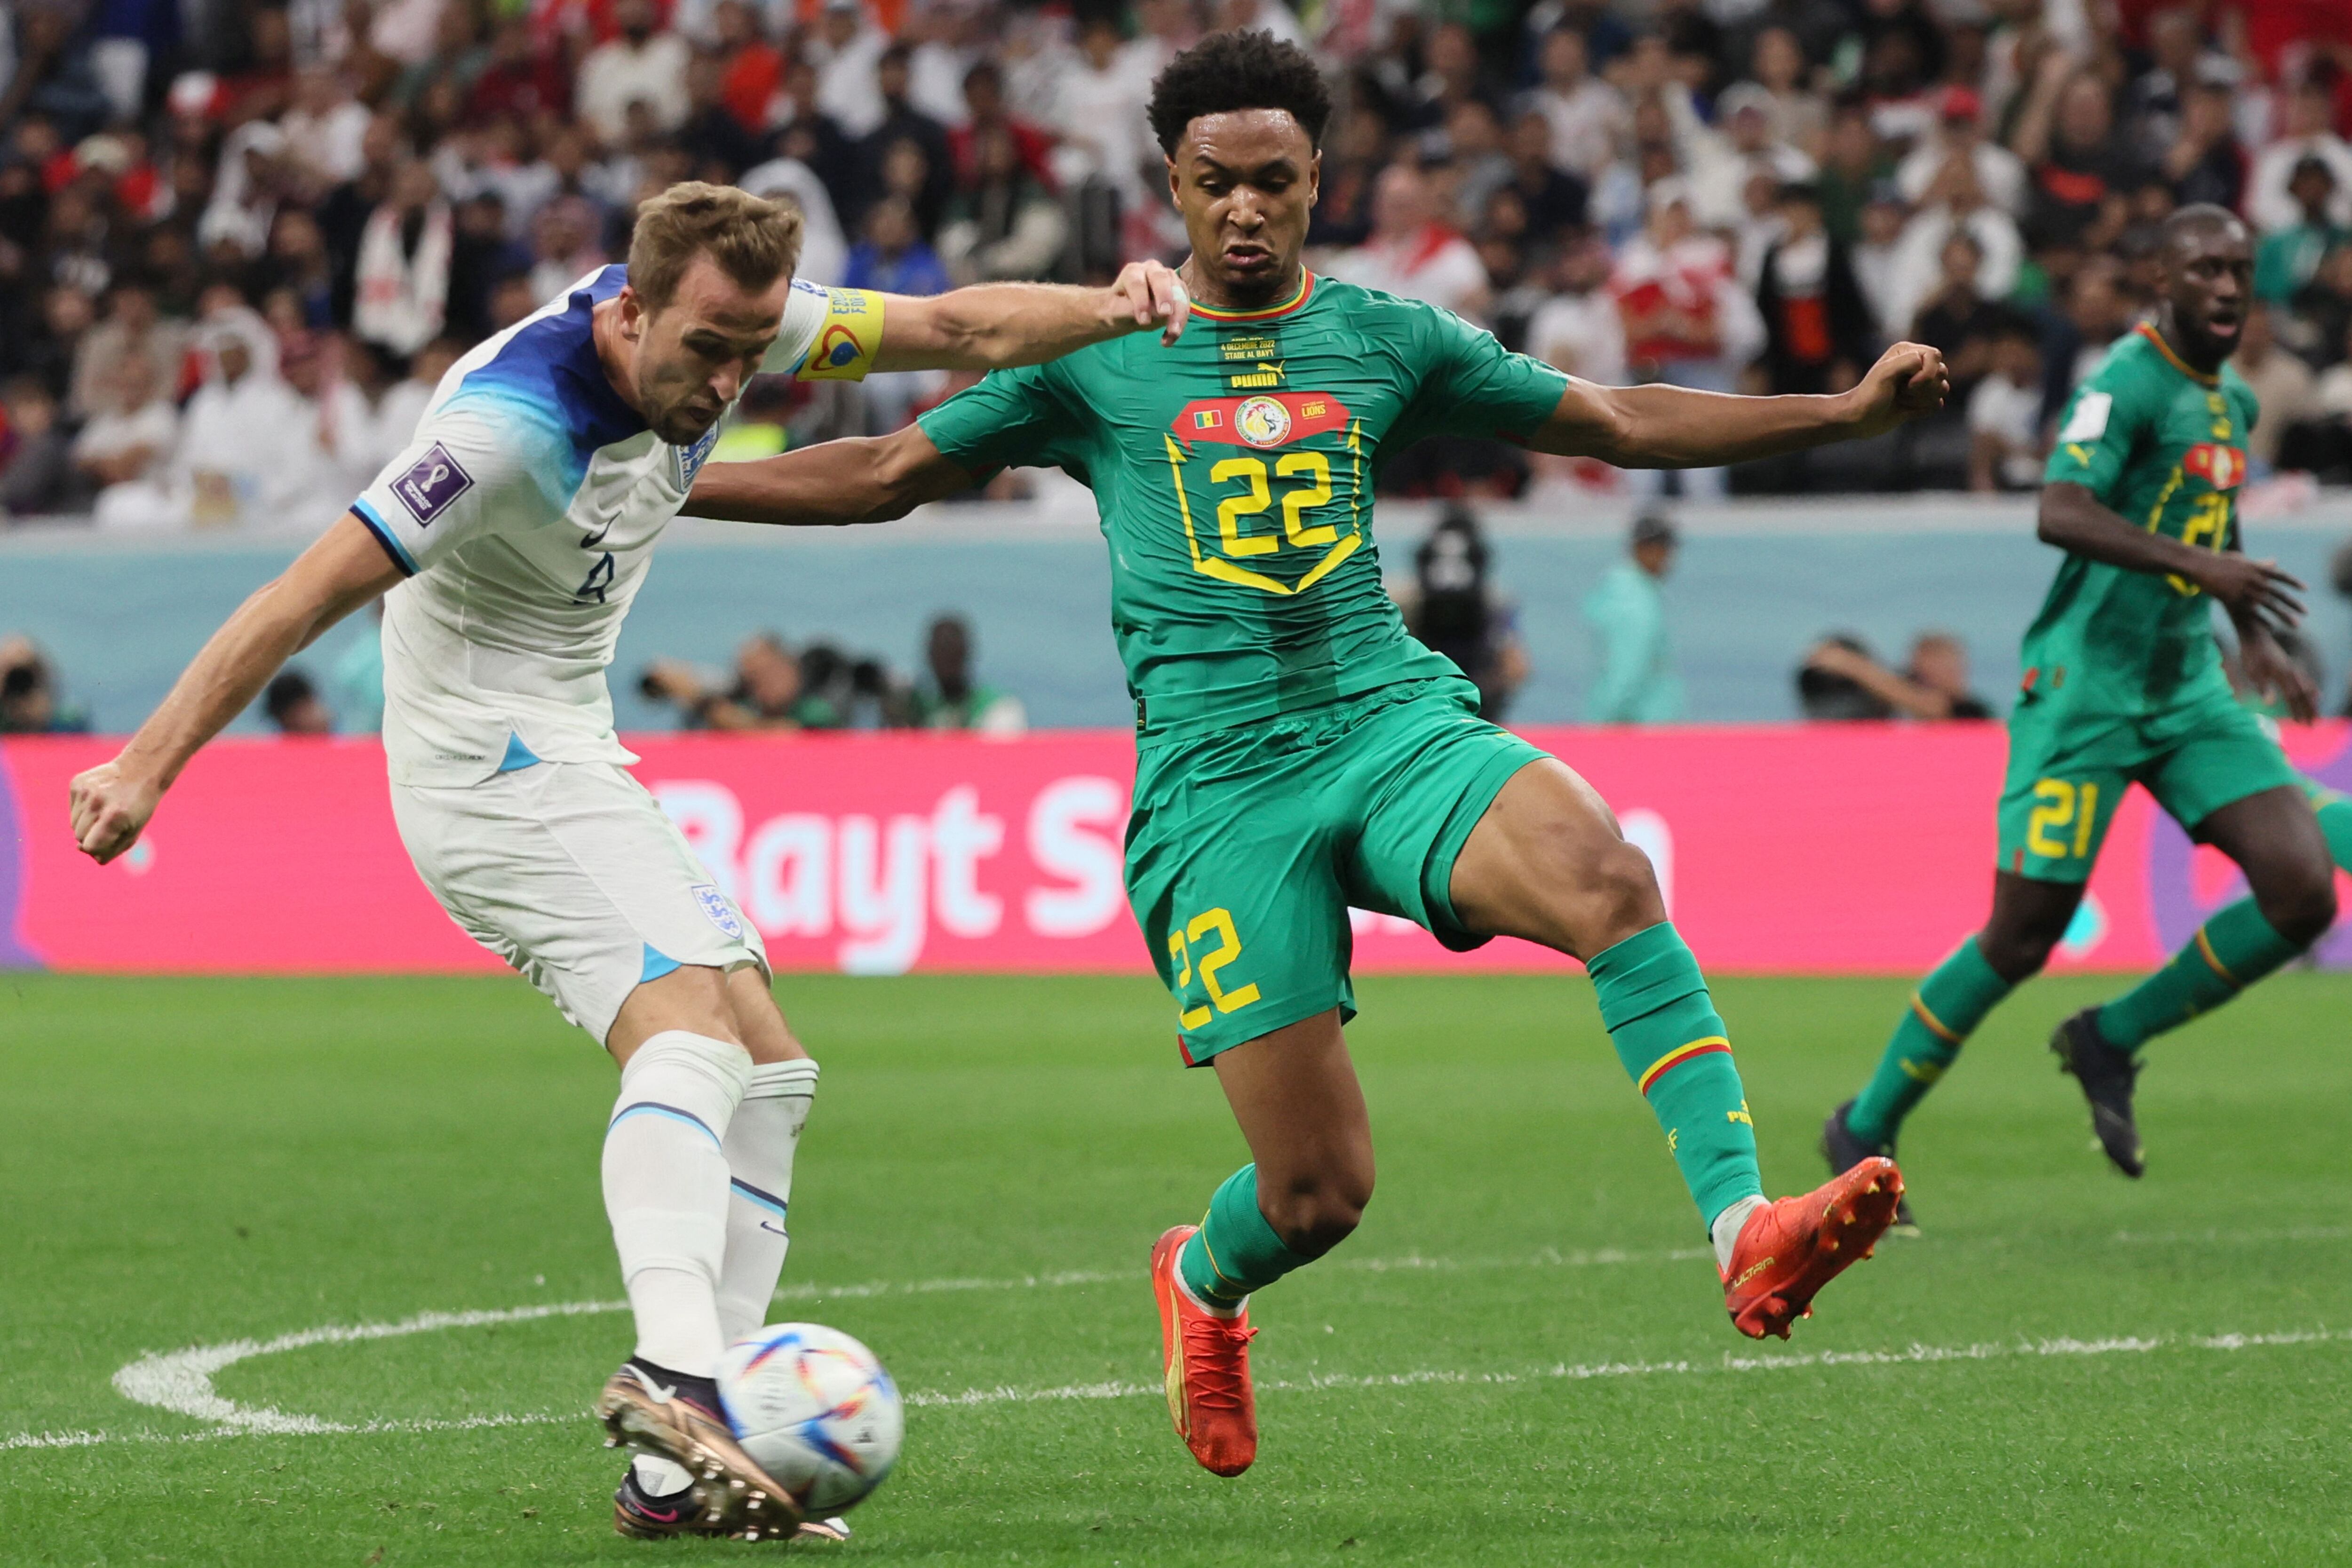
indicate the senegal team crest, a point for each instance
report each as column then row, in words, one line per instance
column 1262, row 422
column 2223, row 468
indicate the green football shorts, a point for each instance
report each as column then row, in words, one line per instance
column 1248, row 846
column 2067, row 773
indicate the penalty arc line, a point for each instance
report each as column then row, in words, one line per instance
column 272, row 1422
column 180, row 1382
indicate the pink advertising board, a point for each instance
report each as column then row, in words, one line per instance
column 1796, row 849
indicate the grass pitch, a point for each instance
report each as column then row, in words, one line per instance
column 1521, row 1358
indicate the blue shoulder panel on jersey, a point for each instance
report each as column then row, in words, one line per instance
column 550, row 370
column 383, row 536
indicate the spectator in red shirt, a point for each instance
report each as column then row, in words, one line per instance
column 521, row 82
column 265, row 88
column 984, row 98
column 2081, row 171
column 755, row 68
column 1817, row 326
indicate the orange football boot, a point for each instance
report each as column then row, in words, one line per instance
column 1207, row 1363
column 1790, row 1249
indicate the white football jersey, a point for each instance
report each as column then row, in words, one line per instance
column 524, row 511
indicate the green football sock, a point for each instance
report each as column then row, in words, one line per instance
column 1235, row 1251
column 1943, row 1012
column 2229, row 952
column 1654, row 1004
column 2335, row 815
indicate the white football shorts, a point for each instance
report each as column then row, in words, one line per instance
column 574, row 874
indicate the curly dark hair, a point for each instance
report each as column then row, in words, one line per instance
column 1226, row 71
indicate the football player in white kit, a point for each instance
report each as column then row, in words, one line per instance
column 512, row 534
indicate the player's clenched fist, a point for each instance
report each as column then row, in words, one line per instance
column 110, row 811
column 1908, row 380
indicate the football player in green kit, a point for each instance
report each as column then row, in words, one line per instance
column 1297, row 750
column 2124, row 684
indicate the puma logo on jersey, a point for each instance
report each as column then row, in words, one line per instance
column 1264, row 376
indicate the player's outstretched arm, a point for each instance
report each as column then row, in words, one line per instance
column 1662, row 427
column 995, row 326
column 345, row 568
column 2256, row 592
column 871, row 478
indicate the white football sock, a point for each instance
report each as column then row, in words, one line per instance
column 666, row 1192
column 760, row 1145
column 1725, row 1231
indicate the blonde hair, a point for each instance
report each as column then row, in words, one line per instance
column 754, row 241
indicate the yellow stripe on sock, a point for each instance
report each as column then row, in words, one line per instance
column 2205, row 946
column 1210, row 1254
column 1936, row 1026
column 1711, row 1042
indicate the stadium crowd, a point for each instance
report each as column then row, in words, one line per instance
column 240, row 239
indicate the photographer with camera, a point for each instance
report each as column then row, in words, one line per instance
column 29, row 698
column 773, row 688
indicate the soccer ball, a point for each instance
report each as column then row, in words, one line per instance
column 817, row 1412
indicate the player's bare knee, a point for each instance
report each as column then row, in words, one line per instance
column 1616, row 891
column 2300, row 905
column 759, row 1024
column 2017, row 955
column 1318, row 1213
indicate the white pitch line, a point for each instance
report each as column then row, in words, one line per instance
column 1913, row 1355
column 2217, row 1234
column 180, row 1382
column 321, row 1429
column 1548, row 1258
column 1916, row 1355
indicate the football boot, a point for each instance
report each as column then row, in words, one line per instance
column 1787, row 1250
column 1844, row 1151
column 2106, row 1076
column 1206, row 1362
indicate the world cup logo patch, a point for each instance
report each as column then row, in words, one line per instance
column 1262, row 422
column 427, row 488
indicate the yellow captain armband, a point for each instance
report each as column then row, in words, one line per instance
column 849, row 339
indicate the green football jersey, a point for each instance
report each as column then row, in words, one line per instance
column 2165, row 447
column 1233, row 473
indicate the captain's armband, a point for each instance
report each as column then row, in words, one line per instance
column 848, row 338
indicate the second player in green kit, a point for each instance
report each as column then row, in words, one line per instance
column 2123, row 679
column 1297, row 750
column 2124, row 684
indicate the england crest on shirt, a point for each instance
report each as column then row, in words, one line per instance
column 690, row 459
column 721, row 912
